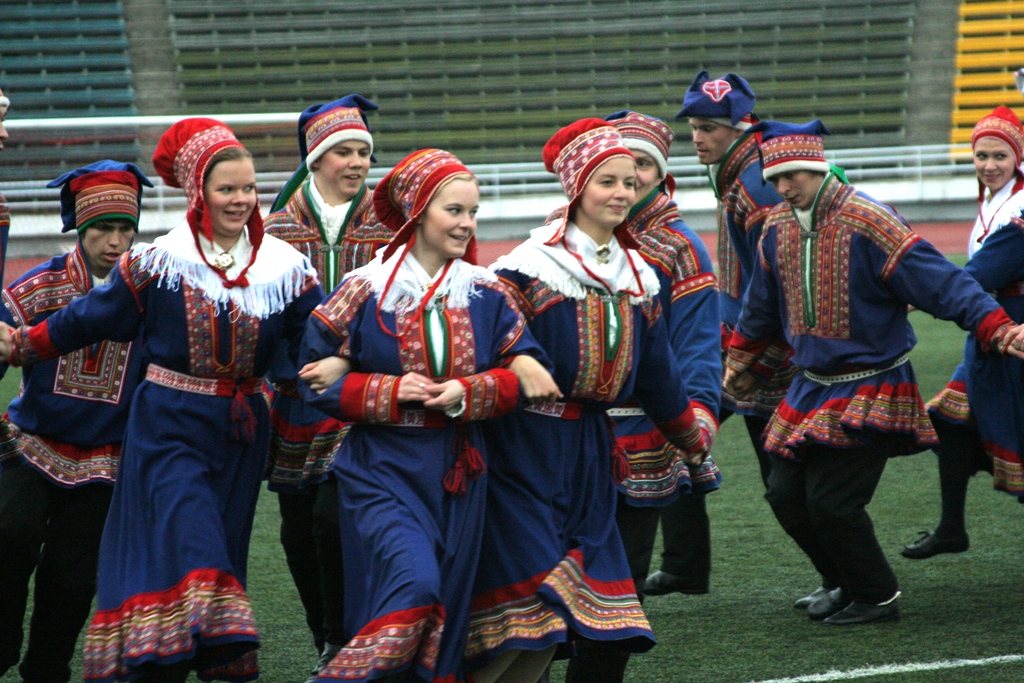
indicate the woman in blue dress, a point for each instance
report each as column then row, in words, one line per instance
column 432, row 343
column 553, row 566
column 213, row 300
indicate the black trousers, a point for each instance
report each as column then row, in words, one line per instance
column 961, row 456
column 54, row 532
column 311, row 539
column 820, row 502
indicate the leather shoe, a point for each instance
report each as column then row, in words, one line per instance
column 663, row 583
column 865, row 613
column 931, row 544
column 824, row 607
column 805, row 602
column 325, row 658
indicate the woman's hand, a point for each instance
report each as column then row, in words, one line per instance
column 417, row 387
column 6, row 341
column 741, row 385
column 449, row 398
column 323, row 373
column 1010, row 343
column 535, row 381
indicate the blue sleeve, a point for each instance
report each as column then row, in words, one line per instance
column 113, row 311
column 921, row 276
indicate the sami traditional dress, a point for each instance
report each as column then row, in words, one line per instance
column 839, row 291
column 89, row 388
column 987, row 389
column 411, row 481
column 745, row 199
column 303, row 440
column 552, row 559
column 688, row 299
column 173, row 560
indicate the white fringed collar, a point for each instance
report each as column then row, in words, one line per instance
column 277, row 277
column 411, row 282
column 559, row 269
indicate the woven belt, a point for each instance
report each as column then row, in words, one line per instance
column 564, row 410
column 851, row 376
column 625, row 412
column 430, row 419
column 201, row 385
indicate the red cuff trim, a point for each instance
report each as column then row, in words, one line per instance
column 990, row 326
column 369, row 397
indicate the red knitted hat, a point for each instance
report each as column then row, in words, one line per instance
column 1003, row 124
column 182, row 158
column 402, row 196
column 575, row 152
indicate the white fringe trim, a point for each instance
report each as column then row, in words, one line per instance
column 257, row 300
column 533, row 263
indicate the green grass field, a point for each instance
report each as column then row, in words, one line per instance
column 966, row 606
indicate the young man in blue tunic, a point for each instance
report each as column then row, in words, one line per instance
column 836, row 270
column 720, row 113
column 68, row 422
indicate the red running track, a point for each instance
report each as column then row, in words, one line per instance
column 949, row 238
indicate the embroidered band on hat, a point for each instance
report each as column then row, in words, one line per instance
column 789, row 147
column 1003, row 124
column 402, row 196
column 642, row 133
column 323, row 126
column 728, row 100
column 103, row 190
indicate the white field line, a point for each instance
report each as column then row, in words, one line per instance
column 889, row 669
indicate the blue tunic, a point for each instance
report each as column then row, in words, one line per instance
column 839, row 294
column 303, row 440
column 89, row 388
column 745, row 199
column 689, row 303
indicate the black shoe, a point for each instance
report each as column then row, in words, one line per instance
column 828, row 604
column 325, row 658
column 865, row 613
column 663, row 583
column 805, row 602
column 931, row 544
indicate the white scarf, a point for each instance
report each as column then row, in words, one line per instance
column 563, row 272
column 276, row 278
column 412, row 282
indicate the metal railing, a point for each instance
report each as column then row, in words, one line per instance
column 496, row 180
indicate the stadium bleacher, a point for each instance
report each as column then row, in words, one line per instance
column 990, row 47
column 65, row 59
column 494, row 79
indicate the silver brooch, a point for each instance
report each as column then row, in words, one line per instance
column 224, row 260
column 603, row 253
